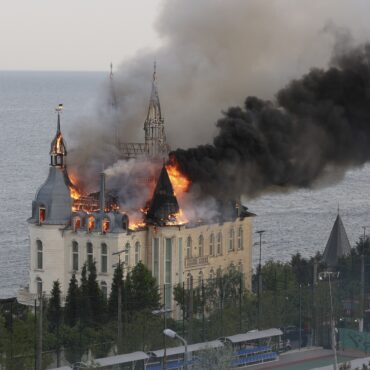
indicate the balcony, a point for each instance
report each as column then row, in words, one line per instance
column 196, row 261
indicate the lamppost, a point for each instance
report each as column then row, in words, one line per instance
column 119, row 301
column 322, row 276
column 172, row 334
column 260, row 232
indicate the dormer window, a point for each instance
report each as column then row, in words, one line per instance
column 42, row 214
column 91, row 224
column 77, row 223
column 105, row 225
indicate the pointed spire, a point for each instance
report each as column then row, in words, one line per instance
column 164, row 202
column 338, row 244
column 58, row 148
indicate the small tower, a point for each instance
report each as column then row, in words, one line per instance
column 52, row 204
column 58, row 150
column 164, row 203
column 337, row 245
column 155, row 137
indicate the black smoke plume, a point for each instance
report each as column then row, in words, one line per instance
column 318, row 126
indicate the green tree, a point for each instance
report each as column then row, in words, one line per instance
column 117, row 281
column 142, row 289
column 94, row 296
column 71, row 309
column 54, row 308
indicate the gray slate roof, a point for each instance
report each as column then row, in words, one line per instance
column 253, row 335
column 54, row 195
column 337, row 245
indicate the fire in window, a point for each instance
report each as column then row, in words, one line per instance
column 77, row 223
column 105, row 225
column 42, row 214
column 91, row 224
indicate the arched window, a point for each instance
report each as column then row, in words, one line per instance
column 74, row 256
column 39, row 286
column 89, row 254
column 137, row 253
column 200, row 279
column 39, row 257
column 201, row 246
column 104, row 258
column 231, row 239
column 189, row 281
column 188, row 247
column 127, row 254
column 219, row 243
column 91, row 224
column 212, row 244
column 240, row 238
column 104, row 289
column 105, row 225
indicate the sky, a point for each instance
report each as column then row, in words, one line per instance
column 74, row 34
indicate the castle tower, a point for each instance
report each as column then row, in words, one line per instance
column 164, row 203
column 155, row 137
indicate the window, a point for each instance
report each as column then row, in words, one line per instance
column 104, row 258
column 240, row 267
column 90, row 254
column 156, row 259
column 127, row 255
column 104, row 289
column 168, row 272
column 188, row 247
column 240, row 238
column 42, row 214
column 105, row 225
column 211, row 244
column 137, row 253
column 77, row 223
column 211, row 274
column 189, row 281
column 201, row 246
column 39, row 286
column 91, row 224
column 231, row 239
column 219, row 243
column 74, row 256
column 200, row 279
column 39, row 262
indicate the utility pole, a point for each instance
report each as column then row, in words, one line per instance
column 119, row 302
column 39, row 338
column 314, row 308
column 362, row 300
column 260, row 232
column 300, row 316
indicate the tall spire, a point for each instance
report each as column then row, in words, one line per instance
column 155, row 137
column 338, row 244
column 58, row 149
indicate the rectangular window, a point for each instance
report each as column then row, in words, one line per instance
column 181, row 268
column 156, row 259
column 42, row 214
column 39, row 254
column 90, row 255
column 75, row 256
column 168, row 272
column 104, row 258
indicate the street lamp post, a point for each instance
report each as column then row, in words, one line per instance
column 119, row 302
column 172, row 334
column 322, row 275
column 260, row 232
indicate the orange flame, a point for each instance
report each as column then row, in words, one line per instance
column 75, row 193
column 179, row 181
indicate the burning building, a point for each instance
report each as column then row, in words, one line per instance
column 68, row 228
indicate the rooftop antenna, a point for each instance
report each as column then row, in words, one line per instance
column 154, row 70
column 59, row 109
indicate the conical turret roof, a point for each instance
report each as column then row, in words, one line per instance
column 164, row 202
column 337, row 245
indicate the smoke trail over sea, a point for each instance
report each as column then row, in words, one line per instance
column 216, row 53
